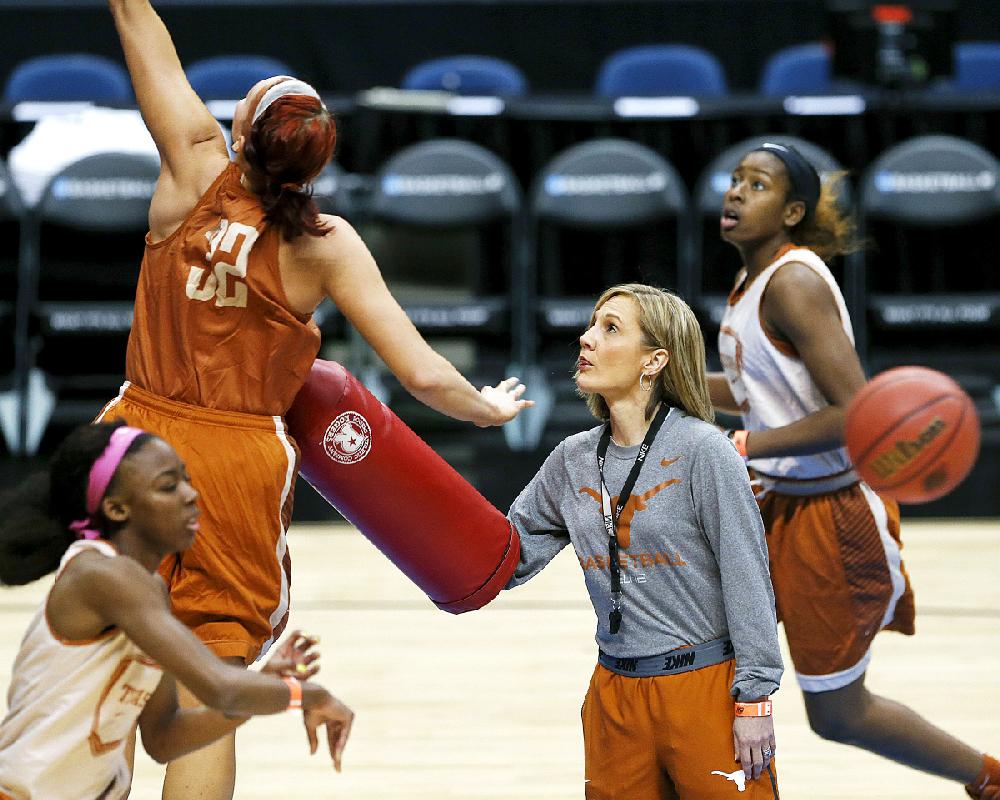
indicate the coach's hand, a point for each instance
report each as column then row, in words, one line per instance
column 753, row 742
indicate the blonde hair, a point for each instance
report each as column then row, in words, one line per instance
column 666, row 321
column 828, row 231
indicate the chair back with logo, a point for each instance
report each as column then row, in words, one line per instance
column 80, row 263
column 925, row 200
column 602, row 212
column 443, row 221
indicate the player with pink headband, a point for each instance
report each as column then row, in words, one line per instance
column 237, row 259
column 103, row 652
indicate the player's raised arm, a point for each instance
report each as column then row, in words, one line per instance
column 179, row 122
column 350, row 277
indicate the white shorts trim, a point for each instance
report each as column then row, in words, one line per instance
column 835, row 680
column 893, row 558
column 282, row 545
column 112, row 403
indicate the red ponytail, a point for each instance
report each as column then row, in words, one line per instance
column 287, row 148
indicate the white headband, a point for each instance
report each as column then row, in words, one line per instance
column 291, row 86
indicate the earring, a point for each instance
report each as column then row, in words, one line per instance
column 643, row 387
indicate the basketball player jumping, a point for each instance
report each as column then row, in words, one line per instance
column 790, row 369
column 237, row 258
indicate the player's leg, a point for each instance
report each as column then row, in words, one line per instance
column 853, row 715
column 205, row 774
column 838, row 580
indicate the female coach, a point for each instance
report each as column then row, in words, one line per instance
column 659, row 510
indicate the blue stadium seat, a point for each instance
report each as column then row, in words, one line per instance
column 467, row 75
column 977, row 66
column 660, row 70
column 68, row 77
column 797, row 69
column 230, row 77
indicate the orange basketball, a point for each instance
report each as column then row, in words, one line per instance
column 913, row 434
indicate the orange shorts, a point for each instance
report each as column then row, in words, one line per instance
column 232, row 586
column 838, row 579
column 665, row 737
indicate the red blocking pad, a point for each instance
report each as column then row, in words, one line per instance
column 406, row 499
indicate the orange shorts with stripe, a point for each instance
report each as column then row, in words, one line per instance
column 232, row 586
column 665, row 737
column 838, row 579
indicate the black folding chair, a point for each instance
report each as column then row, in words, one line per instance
column 11, row 398
column 602, row 212
column 80, row 261
column 443, row 221
column 930, row 208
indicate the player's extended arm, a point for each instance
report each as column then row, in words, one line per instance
column 181, row 125
column 354, row 282
column 800, row 308
column 121, row 593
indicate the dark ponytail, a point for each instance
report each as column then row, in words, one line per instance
column 287, row 148
column 35, row 516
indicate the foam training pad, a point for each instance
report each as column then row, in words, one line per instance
column 412, row 505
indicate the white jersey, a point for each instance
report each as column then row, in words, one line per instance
column 772, row 386
column 71, row 708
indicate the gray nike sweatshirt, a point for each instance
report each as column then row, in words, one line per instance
column 692, row 551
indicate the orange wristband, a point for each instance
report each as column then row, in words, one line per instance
column 761, row 709
column 739, row 440
column 294, row 693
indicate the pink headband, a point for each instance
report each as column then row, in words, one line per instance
column 101, row 474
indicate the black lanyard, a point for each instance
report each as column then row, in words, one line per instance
column 611, row 517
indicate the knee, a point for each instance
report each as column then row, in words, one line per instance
column 834, row 725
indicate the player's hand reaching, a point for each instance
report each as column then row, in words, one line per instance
column 319, row 707
column 505, row 400
column 296, row 657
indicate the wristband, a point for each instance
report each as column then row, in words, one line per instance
column 739, row 440
column 761, row 709
column 294, row 693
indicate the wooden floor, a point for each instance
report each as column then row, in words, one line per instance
column 486, row 705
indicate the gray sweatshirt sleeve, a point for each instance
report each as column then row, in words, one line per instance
column 538, row 519
column 730, row 519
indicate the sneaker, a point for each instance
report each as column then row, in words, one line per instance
column 986, row 786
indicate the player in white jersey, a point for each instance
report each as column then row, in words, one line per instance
column 790, row 369
column 103, row 651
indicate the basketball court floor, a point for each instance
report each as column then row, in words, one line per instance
column 486, row 705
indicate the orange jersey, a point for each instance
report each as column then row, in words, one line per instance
column 213, row 327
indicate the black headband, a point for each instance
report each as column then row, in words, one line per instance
column 802, row 176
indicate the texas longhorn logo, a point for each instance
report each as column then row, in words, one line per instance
column 348, row 439
column 634, row 504
column 736, row 777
